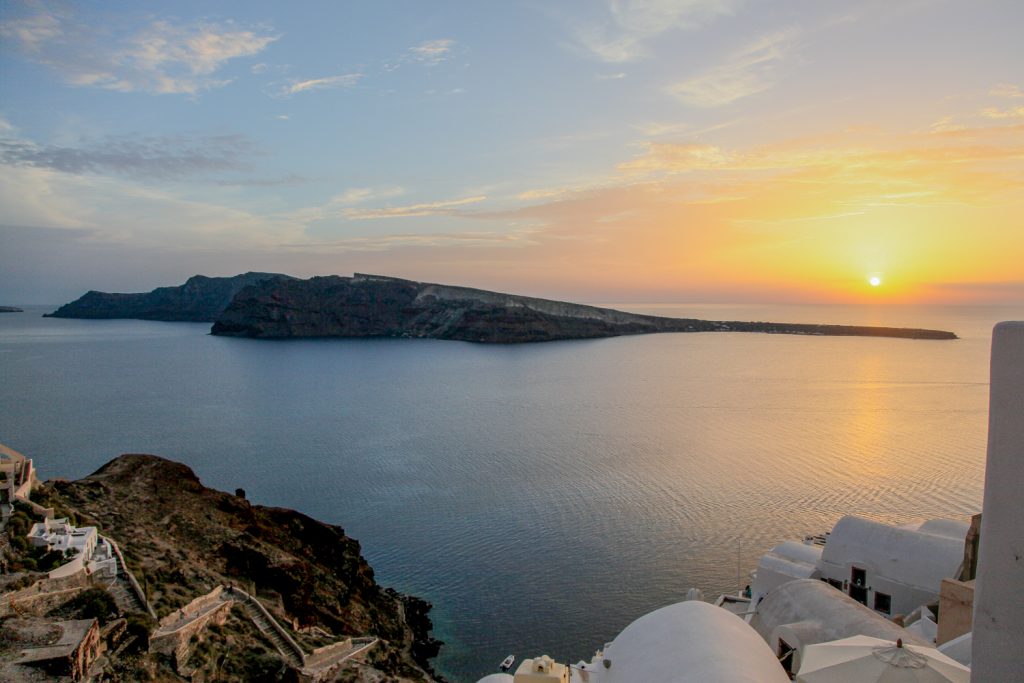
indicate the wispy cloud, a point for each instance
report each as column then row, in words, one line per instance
column 151, row 157
column 749, row 71
column 663, row 129
column 432, row 52
column 163, row 57
column 624, row 28
column 31, row 34
column 122, row 211
column 472, row 238
column 670, row 158
column 946, row 124
column 447, row 207
column 1011, row 113
column 1006, row 90
column 338, row 205
column 326, row 83
column 286, row 181
column 358, row 195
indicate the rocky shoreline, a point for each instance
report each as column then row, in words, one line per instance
column 188, row 544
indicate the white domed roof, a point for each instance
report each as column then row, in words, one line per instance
column 496, row 678
column 691, row 641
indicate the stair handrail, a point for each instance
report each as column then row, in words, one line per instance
column 273, row 622
column 136, row 588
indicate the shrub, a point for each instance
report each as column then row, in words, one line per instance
column 140, row 626
column 92, row 603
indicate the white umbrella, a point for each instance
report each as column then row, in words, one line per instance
column 862, row 659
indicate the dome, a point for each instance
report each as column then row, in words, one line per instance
column 691, row 641
column 496, row 678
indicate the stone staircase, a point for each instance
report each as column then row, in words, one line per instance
column 289, row 650
column 126, row 599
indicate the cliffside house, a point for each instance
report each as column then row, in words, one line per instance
column 893, row 569
column 17, row 479
column 806, row 612
column 58, row 535
column 890, row 569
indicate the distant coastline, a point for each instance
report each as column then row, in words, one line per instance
column 274, row 306
column 11, row 309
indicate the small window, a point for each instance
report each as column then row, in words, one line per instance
column 858, row 576
column 883, row 602
column 786, row 652
column 836, row 583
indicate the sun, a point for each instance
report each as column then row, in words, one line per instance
column 874, row 281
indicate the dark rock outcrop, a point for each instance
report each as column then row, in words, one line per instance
column 376, row 306
column 182, row 538
column 200, row 299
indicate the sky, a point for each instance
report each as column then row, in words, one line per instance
column 597, row 151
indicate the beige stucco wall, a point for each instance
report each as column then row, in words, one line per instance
column 956, row 609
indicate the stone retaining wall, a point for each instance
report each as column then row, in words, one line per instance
column 330, row 672
column 78, row 581
column 194, row 607
column 178, row 643
column 42, row 603
column 322, row 655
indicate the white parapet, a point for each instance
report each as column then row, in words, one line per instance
column 999, row 593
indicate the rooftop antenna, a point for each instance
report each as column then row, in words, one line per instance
column 739, row 582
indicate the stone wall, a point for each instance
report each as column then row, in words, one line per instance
column 194, row 607
column 330, row 671
column 42, row 603
column 322, row 655
column 178, row 644
column 69, row 568
column 79, row 581
column 86, row 652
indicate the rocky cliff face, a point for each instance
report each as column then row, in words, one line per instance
column 375, row 306
column 184, row 539
column 200, row 299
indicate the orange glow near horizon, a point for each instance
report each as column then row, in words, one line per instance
column 799, row 223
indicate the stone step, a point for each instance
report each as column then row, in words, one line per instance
column 267, row 629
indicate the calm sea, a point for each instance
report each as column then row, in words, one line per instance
column 541, row 496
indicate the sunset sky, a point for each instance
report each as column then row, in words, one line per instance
column 603, row 151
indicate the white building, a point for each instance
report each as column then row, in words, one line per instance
column 17, row 477
column 58, row 535
column 784, row 563
column 688, row 642
column 807, row 611
column 892, row 569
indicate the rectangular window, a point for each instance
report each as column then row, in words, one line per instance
column 836, row 583
column 883, row 602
